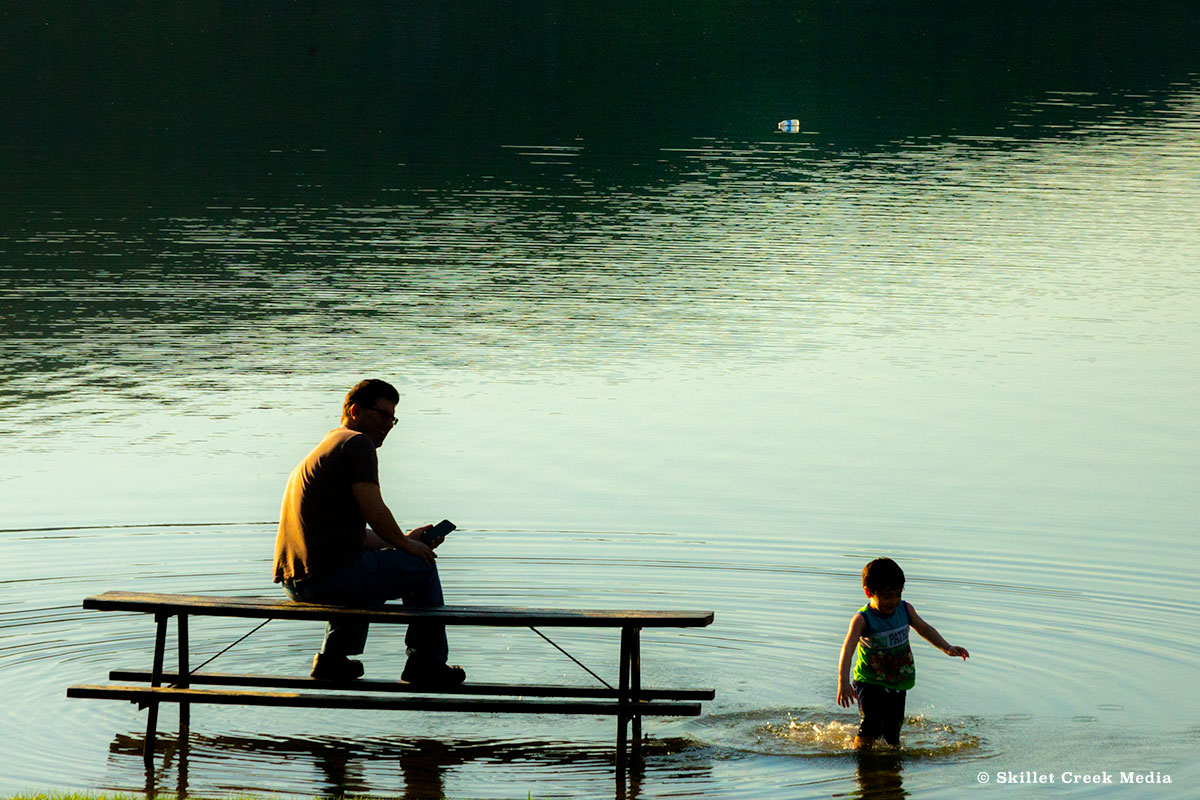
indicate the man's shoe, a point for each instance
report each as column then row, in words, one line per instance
column 432, row 675
column 335, row 668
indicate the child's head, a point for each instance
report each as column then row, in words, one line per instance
column 883, row 580
column 881, row 574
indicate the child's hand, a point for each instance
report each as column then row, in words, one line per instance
column 961, row 652
column 846, row 696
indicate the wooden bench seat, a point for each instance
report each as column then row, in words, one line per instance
column 628, row 701
column 170, row 694
column 369, row 685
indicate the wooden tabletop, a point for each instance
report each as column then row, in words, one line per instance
column 279, row 608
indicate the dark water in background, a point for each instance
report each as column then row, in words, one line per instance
column 174, row 104
column 652, row 353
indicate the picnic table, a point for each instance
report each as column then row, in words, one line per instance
column 629, row 701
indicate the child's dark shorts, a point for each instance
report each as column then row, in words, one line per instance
column 882, row 711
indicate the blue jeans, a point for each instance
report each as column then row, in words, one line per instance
column 375, row 577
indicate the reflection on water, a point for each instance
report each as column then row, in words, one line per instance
column 332, row 767
column 126, row 108
column 879, row 775
column 421, row 766
column 748, row 252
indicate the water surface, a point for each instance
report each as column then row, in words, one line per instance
column 644, row 362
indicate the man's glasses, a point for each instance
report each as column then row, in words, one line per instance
column 391, row 418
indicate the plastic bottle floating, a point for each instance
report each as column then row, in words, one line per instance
column 789, row 126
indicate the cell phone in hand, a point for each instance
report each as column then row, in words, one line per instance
column 443, row 528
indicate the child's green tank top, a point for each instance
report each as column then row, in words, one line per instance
column 884, row 657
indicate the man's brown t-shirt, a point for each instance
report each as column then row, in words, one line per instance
column 321, row 528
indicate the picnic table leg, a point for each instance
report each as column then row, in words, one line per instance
column 627, row 640
column 182, row 752
column 635, row 680
column 160, row 646
column 185, row 709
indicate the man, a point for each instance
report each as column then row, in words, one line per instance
column 325, row 553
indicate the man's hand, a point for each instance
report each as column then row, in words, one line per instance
column 413, row 545
column 384, row 525
column 960, row 652
column 419, row 531
column 846, row 695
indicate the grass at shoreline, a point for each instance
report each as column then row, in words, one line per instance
column 77, row 796
column 113, row 796
column 127, row 796
column 122, row 796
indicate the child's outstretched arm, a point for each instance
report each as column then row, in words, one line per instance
column 930, row 634
column 845, row 694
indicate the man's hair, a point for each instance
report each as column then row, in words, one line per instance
column 366, row 393
column 881, row 575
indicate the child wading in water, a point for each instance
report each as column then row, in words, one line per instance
column 883, row 668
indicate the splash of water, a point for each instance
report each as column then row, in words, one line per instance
column 814, row 733
column 817, row 733
column 921, row 737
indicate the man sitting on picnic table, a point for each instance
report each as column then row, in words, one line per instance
column 325, row 553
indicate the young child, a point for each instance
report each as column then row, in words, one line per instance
column 883, row 669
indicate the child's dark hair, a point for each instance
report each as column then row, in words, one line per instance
column 881, row 575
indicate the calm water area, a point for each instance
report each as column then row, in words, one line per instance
column 651, row 353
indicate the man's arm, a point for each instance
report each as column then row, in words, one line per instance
column 845, row 692
column 384, row 525
column 930, row 634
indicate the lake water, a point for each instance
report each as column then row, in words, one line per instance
column 651, row 353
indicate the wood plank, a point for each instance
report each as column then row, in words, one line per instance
column 163, row 694
column 272, row 608
column 367, row 685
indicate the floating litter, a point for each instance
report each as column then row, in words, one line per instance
column 789, row 126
